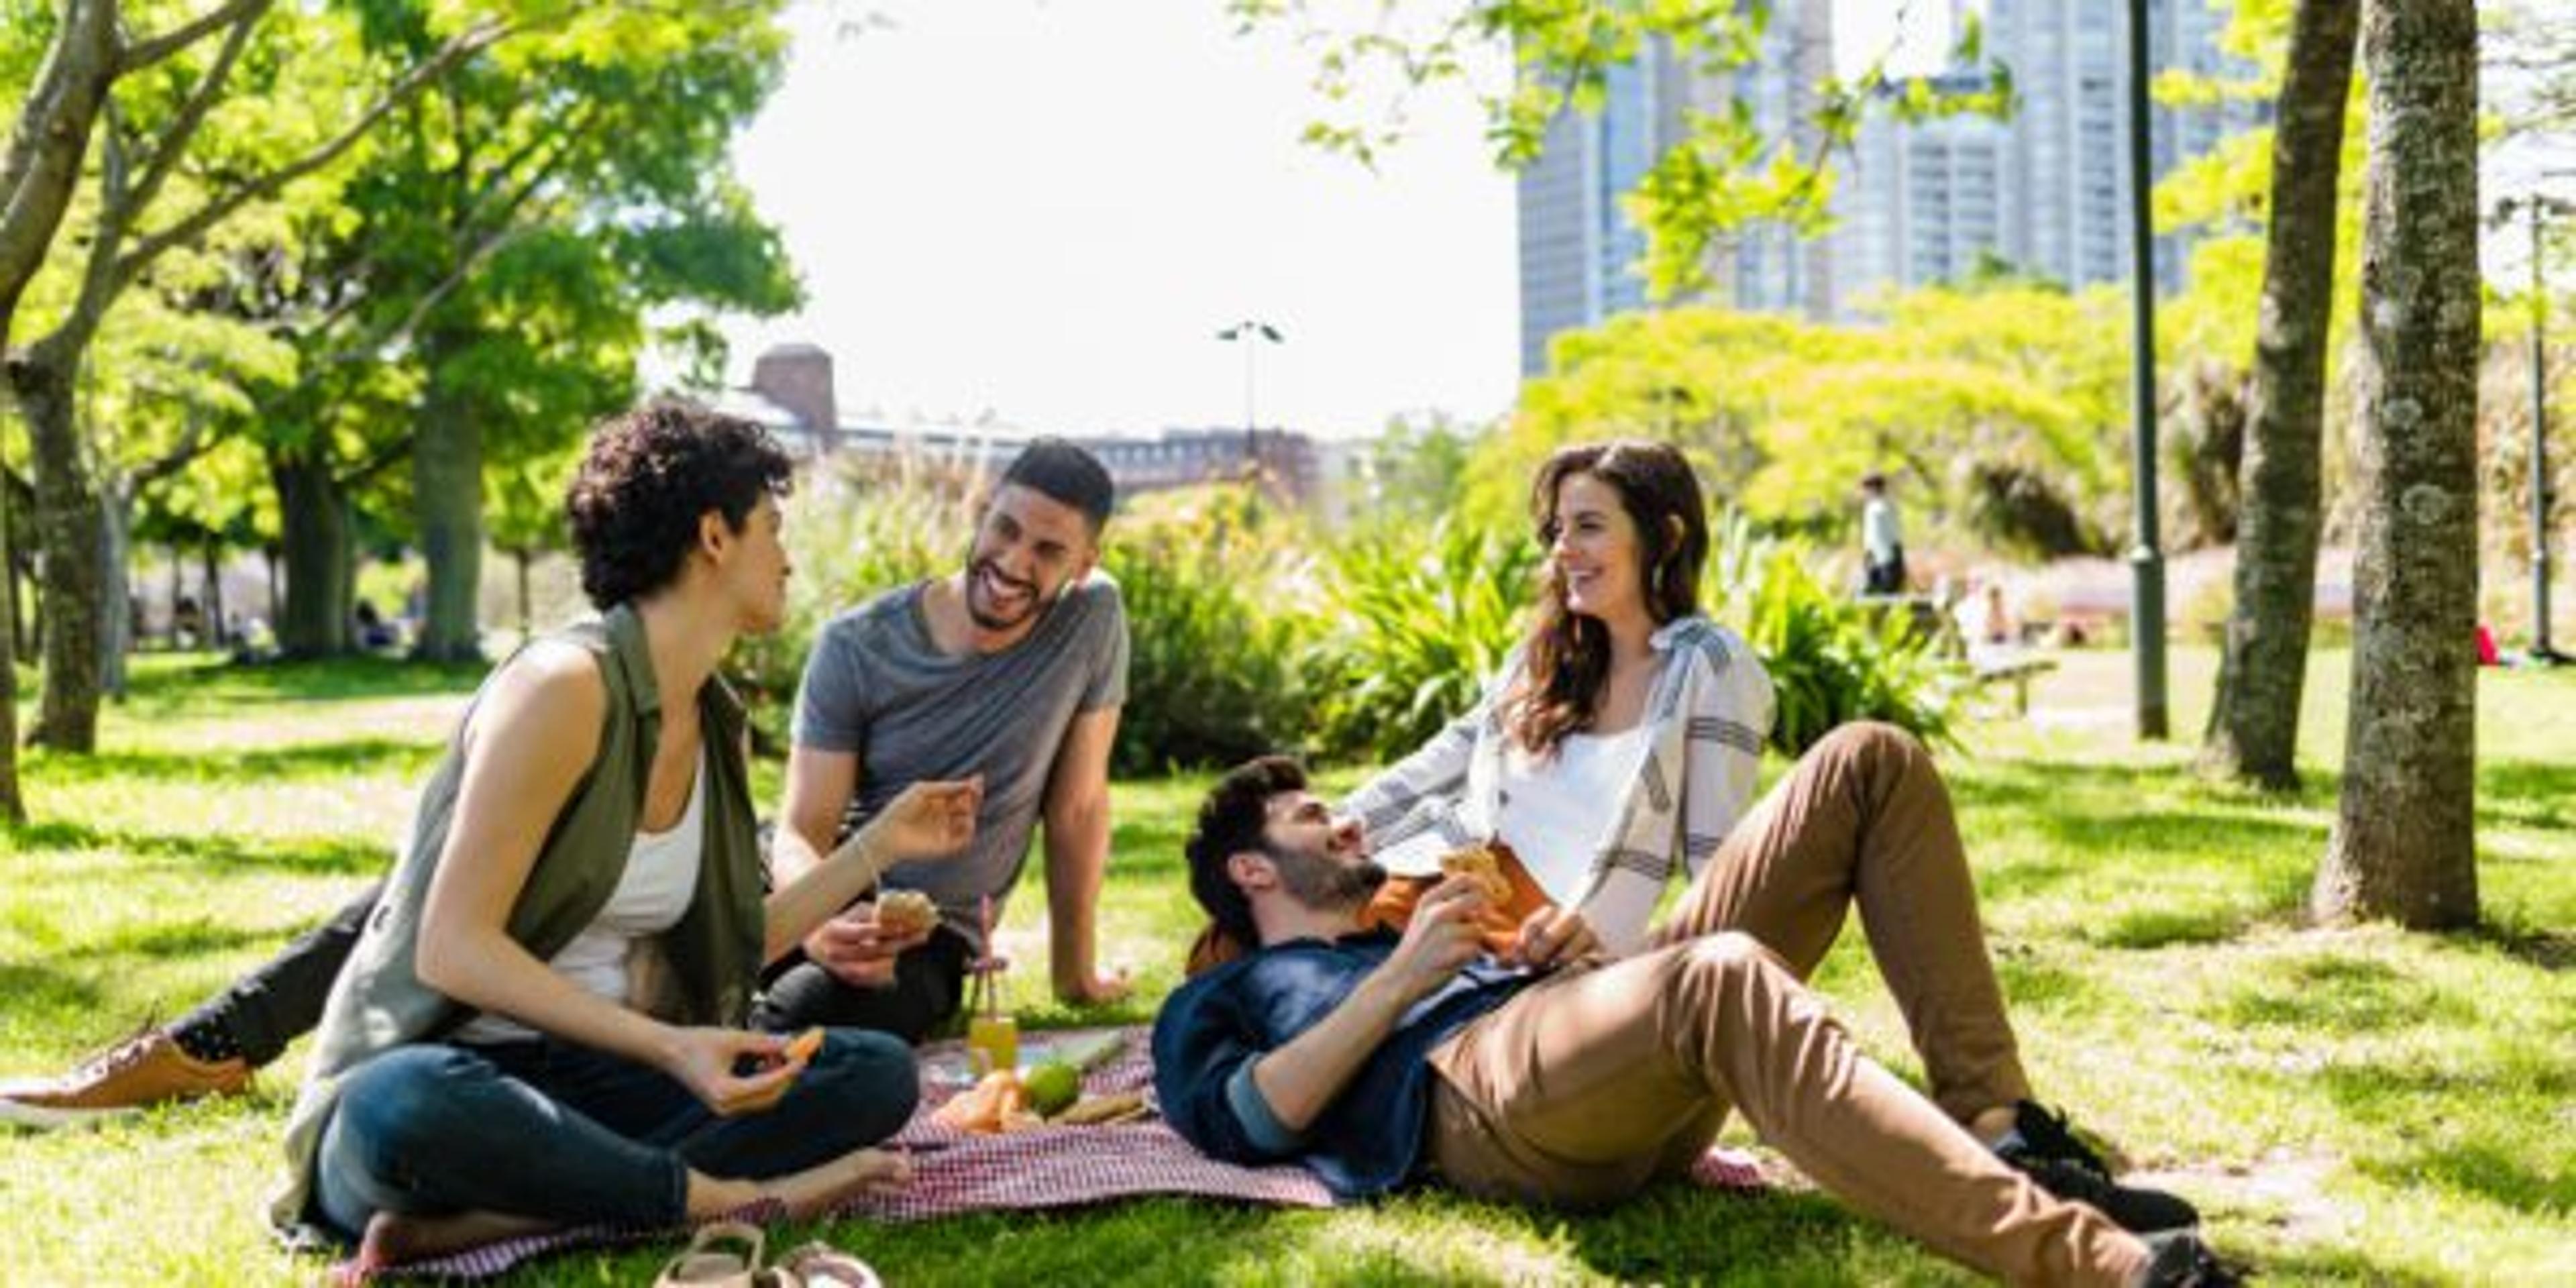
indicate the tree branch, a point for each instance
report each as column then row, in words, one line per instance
column 386, row 457
column 64, row 343
column 454, row 53
column 191, row 115
column 43, row 164
column 135, row 55
column 192, row 444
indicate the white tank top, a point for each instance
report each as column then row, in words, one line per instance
column 661, row 877
column 1555, row 811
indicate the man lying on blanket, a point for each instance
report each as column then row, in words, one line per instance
column 1552, row 1074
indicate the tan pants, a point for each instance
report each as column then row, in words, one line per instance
column 1589, row 1085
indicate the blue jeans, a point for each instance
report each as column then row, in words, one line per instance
column 563, row 1133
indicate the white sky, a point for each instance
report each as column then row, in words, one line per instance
column 1047, row 208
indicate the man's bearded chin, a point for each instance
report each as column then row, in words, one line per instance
column 1322, row 884
column 992, row 621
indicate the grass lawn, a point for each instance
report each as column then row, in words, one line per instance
column 2355, row 1106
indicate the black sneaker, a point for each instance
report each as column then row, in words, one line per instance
column 2183, row 1261
column 2042, row 1147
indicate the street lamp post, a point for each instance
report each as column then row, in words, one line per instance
column 2537, row 208
column 2146, row 560
column 1251, row 333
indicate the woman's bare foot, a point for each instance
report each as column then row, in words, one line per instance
column 818, row 1189
column 393, row 1239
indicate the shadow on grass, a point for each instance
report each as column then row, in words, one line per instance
column 197, row 852
column 2550, row 950
column 47, row 989
column 185, row 939
column 2498, row 1174
column 1676, row 1233
column 2339, row 1265
column 210, row 681
column 318, row 760
column 2344, row 996
column 2523, row 793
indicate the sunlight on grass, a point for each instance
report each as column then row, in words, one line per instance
column 2349, row 1106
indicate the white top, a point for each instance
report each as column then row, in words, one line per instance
column 661, row 877
column 1878, row 534
column 1709, row 709
column 1553, row 809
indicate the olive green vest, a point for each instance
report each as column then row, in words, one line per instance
column 705, row 967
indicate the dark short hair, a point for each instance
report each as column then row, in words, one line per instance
column 647, row 477
column 1066, row 474
column 1873, row 482
column 1231, row 821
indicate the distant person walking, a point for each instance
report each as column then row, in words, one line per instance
column 1882, row 545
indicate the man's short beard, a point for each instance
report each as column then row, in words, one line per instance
column 1323, row 885
column 1038, row 603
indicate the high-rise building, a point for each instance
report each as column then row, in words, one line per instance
column 1579, row 252
column 2045, row 191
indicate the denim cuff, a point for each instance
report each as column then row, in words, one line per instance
column 1261, row 1126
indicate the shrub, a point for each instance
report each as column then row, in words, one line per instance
column 1831, row 659
column 1211, row 581
column 1417, row 618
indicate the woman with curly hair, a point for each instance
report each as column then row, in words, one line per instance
column 541, row 1022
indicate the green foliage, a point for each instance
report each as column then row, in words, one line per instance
column 1417, row 467
column 1213, row 671
column 1831, row 659
column 1783, row 416
column 1416, row 619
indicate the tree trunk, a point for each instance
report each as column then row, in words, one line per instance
column 68, row 519
column 116, row 587
column 527, row 616
column 314, row 514
column 2404, row 844
column 13, row 806
column 2253, row 730
column 211, row 600
column 447, row 496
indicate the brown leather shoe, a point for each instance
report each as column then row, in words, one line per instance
column 145, row 1069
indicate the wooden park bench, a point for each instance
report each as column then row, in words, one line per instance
column 2015, row 669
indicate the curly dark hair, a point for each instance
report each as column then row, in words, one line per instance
column 1230, row 822
column 649, row 475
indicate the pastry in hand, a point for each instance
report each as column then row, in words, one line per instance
column 1479, row 865
column 906, row 913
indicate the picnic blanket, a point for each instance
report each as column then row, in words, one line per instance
column 1055, row 1167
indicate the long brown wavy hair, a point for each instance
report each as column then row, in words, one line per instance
column 1566, row 659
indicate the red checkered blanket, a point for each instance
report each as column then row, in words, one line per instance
column 1050, row 1167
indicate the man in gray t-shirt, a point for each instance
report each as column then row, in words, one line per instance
column 1011, row 670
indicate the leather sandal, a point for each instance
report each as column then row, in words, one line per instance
column 820, row 1265
column 708, row 1261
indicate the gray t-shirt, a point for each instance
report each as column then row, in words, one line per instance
column 877, row 686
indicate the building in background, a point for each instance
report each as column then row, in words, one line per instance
column 791, row 394
column 1578, row 249
column 2044, row 192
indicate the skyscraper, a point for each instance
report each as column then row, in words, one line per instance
column 2047, row 190
column 2044, row 191
column 1578, row 251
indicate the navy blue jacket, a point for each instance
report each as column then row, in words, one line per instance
column 1369, row 1139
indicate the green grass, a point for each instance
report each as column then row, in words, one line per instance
column 2353, row 1106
